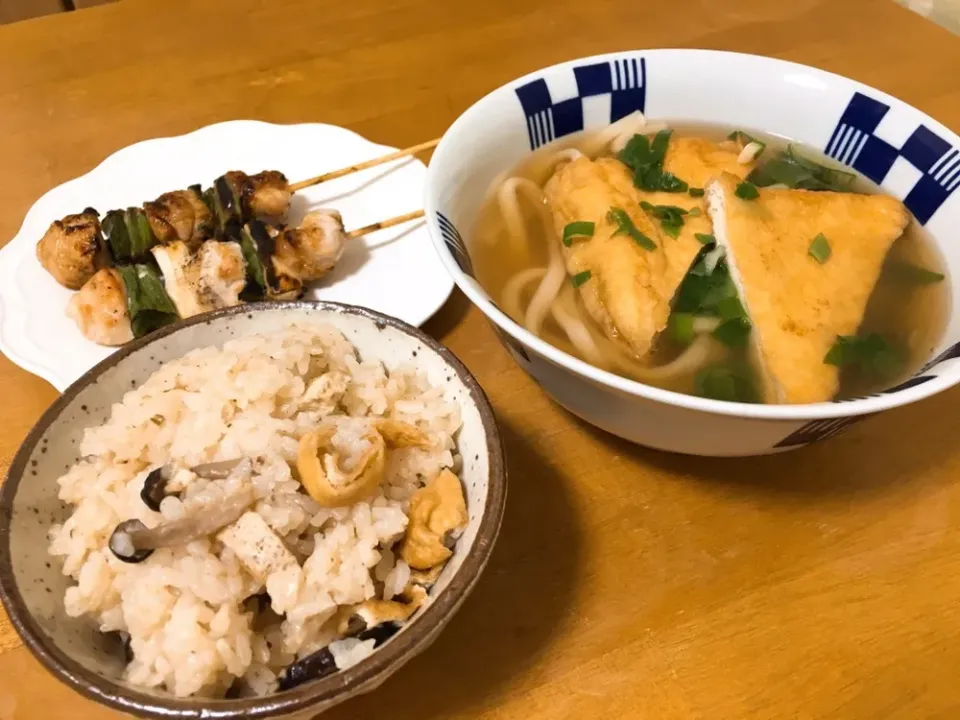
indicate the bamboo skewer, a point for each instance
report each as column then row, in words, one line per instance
column 310, row 182
column 373, row 227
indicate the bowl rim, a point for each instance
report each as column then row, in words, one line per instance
column 478, row 296
column 346, row 682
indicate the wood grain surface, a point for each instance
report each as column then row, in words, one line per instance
column 824, row 583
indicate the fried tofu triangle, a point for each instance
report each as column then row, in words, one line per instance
column 631, row 285
column 799, row 304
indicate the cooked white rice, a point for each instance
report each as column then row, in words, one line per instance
column 183, row 608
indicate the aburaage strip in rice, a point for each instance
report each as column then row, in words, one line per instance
column 187, row 608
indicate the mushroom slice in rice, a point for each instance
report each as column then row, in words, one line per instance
column 154, row 489
column 216, row 470
column 438, row 513
column 133, row 542
column 156, row 486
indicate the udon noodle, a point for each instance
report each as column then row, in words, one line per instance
column 519, row 259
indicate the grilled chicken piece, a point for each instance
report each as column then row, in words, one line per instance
column 72, row 249
column 283, row 276
column 270, row 194
column 181, row 272
column 100, row 309
column 266, row 194
column 209, row 279
column 798, row 305
column 223, row 273
column 284, row 286
column 180, row 215
column 311, row 250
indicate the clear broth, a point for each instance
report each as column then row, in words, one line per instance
column 911, row 316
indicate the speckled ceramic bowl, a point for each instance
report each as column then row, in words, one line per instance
column 32, row 586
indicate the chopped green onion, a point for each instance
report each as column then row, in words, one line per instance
column 734, row 332
column 820, row 249
column 725, row 382
column 148, row 304
column 730, row 307
column 735, row 328
column 580, row 278
column 658, row 148
column 744, row 139
column 625, row 226
column 670, row 217
column 705, row 239
column 694, row 212
column 747, row 191
column 871, row 353
column 702, row 290
column 797, row 172
column 681, row 327
column 646, row 159
column 696, row 192
column 577, row 230
column 671, row 183
column 914, row 274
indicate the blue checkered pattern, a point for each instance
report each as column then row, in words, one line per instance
column 454, row 240
column 625, row 81
column 818, row 430
column 854, row 144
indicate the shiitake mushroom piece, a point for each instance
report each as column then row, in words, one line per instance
column 312, row 667
column 379, row 633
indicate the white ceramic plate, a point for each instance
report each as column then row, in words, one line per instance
column 393, row 271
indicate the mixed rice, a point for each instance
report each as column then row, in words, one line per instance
column 258, row 515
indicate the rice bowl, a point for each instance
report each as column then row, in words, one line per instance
column 217, row 614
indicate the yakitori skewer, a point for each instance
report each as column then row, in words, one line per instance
column 334, row 174
column 196, row 250
column 76, row 246
column 252, row 261
column 384, row 224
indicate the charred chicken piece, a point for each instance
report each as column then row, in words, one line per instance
column 266, row 194
column 311, row 250
column 72, row 249
column 180, row 215
column 100, row 309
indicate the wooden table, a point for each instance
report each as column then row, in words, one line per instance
column 824, row 583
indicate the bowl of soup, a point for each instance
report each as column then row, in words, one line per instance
column 707, row 252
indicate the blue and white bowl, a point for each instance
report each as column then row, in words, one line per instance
column 910, row 155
